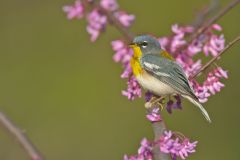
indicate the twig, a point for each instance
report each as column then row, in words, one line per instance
column 216, row 57
column 115, row 22
column 205, row 12
column 22, row 138
column 215, row 18
column 208, row 23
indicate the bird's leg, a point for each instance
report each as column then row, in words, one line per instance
column 155, row 100
column 161, row 101
column 148, row 104
column 162, row 98
column 160, row 105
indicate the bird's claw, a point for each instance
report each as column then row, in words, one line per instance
column 155, row 102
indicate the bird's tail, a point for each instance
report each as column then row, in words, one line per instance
column 198, row 104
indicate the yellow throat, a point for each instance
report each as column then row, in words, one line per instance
column 135, row 61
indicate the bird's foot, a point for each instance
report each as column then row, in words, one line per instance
column 160, row 106
column 155, row 101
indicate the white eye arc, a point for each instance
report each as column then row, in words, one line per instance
column 144, row 44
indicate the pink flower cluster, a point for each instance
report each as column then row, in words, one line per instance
column 133, row 89
column 144, row 152
column 212, row 82
column 74, row 11
column 96, row 23
column 184, row 51
column 96, row 18
column 176, row 146
column 123, row 55
column 170, row 143
column 154, row 115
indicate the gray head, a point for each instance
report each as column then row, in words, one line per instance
column 147, row 44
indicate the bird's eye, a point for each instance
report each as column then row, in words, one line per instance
column 144, row 44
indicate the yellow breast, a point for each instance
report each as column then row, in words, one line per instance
column 135, row 61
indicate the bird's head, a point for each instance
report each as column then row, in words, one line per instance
column 147, row 44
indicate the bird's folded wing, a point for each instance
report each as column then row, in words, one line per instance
column 168, row 72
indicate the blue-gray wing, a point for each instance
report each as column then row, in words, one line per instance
column 168, row 72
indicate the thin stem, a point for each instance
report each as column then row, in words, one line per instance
column 215, row 18
column 21, row 137
column 208, row 23
column 202, row 69
column 205, row 12
column 115, row 22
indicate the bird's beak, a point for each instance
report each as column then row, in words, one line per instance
column 132, row 45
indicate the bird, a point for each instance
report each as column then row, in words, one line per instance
column 158, row 72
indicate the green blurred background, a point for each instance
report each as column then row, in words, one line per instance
column 66, row 92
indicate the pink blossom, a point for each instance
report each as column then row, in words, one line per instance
column 184, row 61
column 110, row 5
column 145, row 149
column 123, row 53
column 174, row 104
column 194, row 48
column 176, row 146
column 127, row 71
column 144, row 152
column 177, row 41
column 96, row 24
column 182, row 30
column 214, row 45
column 200, row 91
column 93, row 32
column 74, row 11
column 133, row 90
column 178, row 102
column 148, row 96
column 169, row 106
column 213, row 84
column 219, row 72
column 193, row 68
column 164, row 41
column 125, row 19
column 154, row 115
column 117, row 45
column 216, row 27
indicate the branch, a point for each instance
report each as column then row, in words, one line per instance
column 216, row 57
column 115, row 22
column 158, row 128
column 22, row 139
column 208, row 23
column 215, row 18
column 205, row 12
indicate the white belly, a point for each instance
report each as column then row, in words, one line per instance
column 154, row 85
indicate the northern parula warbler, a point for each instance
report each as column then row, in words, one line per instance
column 157, row 71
